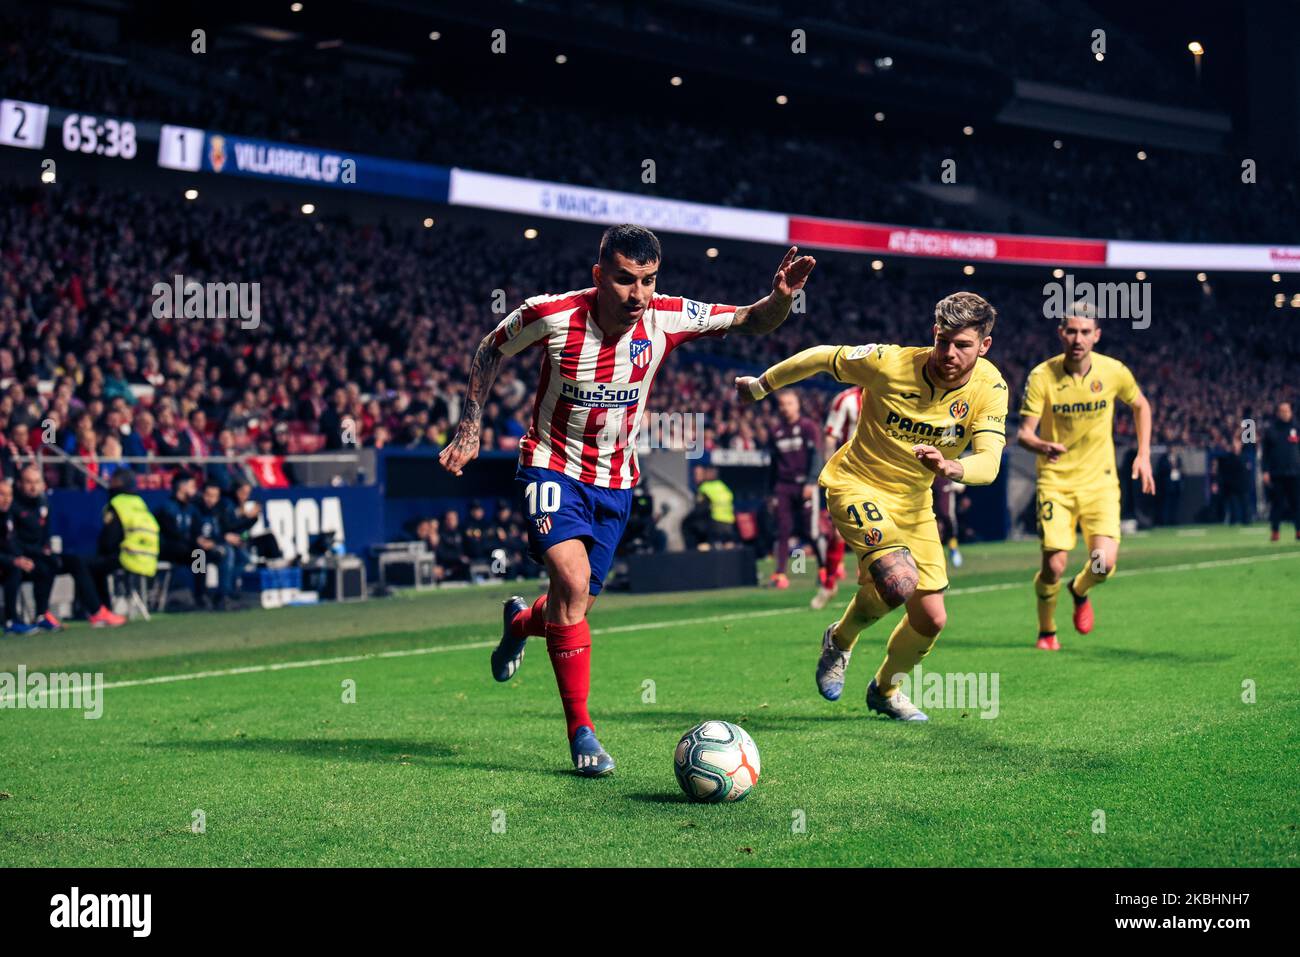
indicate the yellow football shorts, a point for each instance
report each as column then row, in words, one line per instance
column 1061, row 511
column 873, row 524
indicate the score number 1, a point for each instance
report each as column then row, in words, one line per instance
column 180, row 147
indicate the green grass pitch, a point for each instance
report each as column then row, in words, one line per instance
column 436, row 764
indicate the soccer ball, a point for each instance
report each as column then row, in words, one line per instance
column 716, row 761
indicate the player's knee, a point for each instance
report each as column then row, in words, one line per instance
column 569, row 592
column 928, row 623
column 1054, row 566
column 895, row 577
column 1100, row 563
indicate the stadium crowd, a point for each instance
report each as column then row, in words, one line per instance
column 360, row 345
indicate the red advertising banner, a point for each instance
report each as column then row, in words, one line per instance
column 945, row 244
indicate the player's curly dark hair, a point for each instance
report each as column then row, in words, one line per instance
column 635, row 242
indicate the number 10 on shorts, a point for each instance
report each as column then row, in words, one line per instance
column 549, row 498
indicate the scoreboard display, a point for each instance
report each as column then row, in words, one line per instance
column 23, row 124
column 103, row 136
column 27, row 125
column 36, row 126
column 55, row 131
column 180, row 147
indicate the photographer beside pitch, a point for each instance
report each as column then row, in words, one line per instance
column 878, row 484
column 1066, row 419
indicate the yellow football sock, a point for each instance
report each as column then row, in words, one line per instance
column 1046, row 602
column 866, row 608
column 1084, row 581
column 907, row 647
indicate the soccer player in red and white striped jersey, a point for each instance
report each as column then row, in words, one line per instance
column 842, row 418
column 841, row 422
column 599, row 350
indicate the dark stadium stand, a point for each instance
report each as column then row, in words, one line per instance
column 822, row 166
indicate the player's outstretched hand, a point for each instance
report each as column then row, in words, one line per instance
column 460, row 451
column 1142, row 470
column 1053, row 451
column 933, row 459
column 792, row 273
column 749, row 389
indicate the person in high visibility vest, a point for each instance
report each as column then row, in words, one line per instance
column 129, row 538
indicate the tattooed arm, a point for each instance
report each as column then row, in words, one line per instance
column 770, row 311
column 463, row 448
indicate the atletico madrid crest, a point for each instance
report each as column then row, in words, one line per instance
column 544, row 525
column 639, row 351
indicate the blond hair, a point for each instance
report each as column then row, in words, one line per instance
column 965, row 310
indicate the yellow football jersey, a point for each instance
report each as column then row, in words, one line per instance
column 1078, row 412
column 902, row 408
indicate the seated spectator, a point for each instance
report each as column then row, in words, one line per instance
column 110, row 462
column 196, row 434
column 178, row 533
column 84, row 446
column 15, row 450
column 478, row 546
column 268, row 467
column 29, row 516
column 167, row 437
column 450, row 552
column 141, row 438
column 133, row 446
column 12, row 564
column 228, row 474
column 219, row 541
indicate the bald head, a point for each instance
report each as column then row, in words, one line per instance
column 1284, row 411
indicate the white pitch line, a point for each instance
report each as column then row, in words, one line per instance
column 647, row 626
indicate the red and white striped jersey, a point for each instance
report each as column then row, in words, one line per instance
column 593, row 391
column 842, row 419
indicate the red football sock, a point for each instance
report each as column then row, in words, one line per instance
column 835, row 556
column 570, row 649
column 530, row 621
